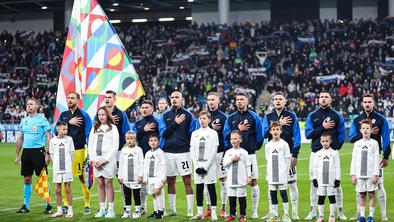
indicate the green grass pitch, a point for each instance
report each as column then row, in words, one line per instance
column 11, row 188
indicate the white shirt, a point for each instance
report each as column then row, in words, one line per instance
column 131, row 164
column 103, row 145
column 278, row 157
column 62, row 152
column 204, row 144
column 239, row 171
column 155, row 166
column 365, row 159
column 326, row 167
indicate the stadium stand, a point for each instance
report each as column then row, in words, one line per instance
column 347, row 58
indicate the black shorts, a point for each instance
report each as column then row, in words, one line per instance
column 33, row 160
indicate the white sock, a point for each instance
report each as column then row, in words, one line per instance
column 207, row 198
column 293, row 188
column 59, row 209
column 286, row 208
column 358, row 202
column 269, row 200
column 382, row 199
column 213, row 210
column 143, row 196
column 223, row 193
column 110, row 205
column 102, row 205
column 371, row 211
column 137, row 208
column 255, row 198
column 338, row 198
column 155, row 204
column 172, row 201
column 199, row 210
column 70, row 209
column 190, row 202
column 313, row 197
column 128, row 208
column 321, row 210
column 274, row 209
column 333, row 207
column 159, row 202
column 362, row 211
column 164, row 197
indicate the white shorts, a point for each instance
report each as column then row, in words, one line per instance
column 311, row 165
column 208, row 178
column 277, row 186
column 220, row 169
column 236, row 191
column 326, row 191
column 150, row 189
column 132, row 185
column 178, row 164
column 63, row 177
column 365, row 185
column 292, row 174
column 254, row 168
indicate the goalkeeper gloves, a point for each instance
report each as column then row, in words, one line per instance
column 337, row 183
column 315, row 184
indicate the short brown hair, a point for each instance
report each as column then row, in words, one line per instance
column 242, row 94
column 111, row 92
column 147, row 101
column 205, row 113
column 367, row 95
column 76, row 94
column 366, row 121
column 326, row 134
column 275, row 124
column 61, row 123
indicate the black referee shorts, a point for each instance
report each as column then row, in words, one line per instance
column 33, row 160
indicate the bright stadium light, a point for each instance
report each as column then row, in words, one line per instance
column 139, row 20
column 189, row 18
column 190, row 0
column 181, row 7
column 111, row 10
column 116, row 21
column 146, row 9
column 115, row 4
column 166, row 19
column 44, row 7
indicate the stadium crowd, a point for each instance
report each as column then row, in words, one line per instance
column 346, row 58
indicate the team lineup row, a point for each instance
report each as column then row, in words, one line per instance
column 205, row 143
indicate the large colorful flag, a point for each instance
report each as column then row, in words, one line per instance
column 42, row 187
column 95, row 61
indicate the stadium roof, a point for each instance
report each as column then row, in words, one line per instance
column 21, row 6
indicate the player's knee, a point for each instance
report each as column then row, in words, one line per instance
column 27, row 180
column 81, row 178
column 108, row 183
column 362, row 195
column 187, row 180
column 171, row 180
column 332, row 199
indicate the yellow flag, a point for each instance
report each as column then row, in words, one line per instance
column 42, row 187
